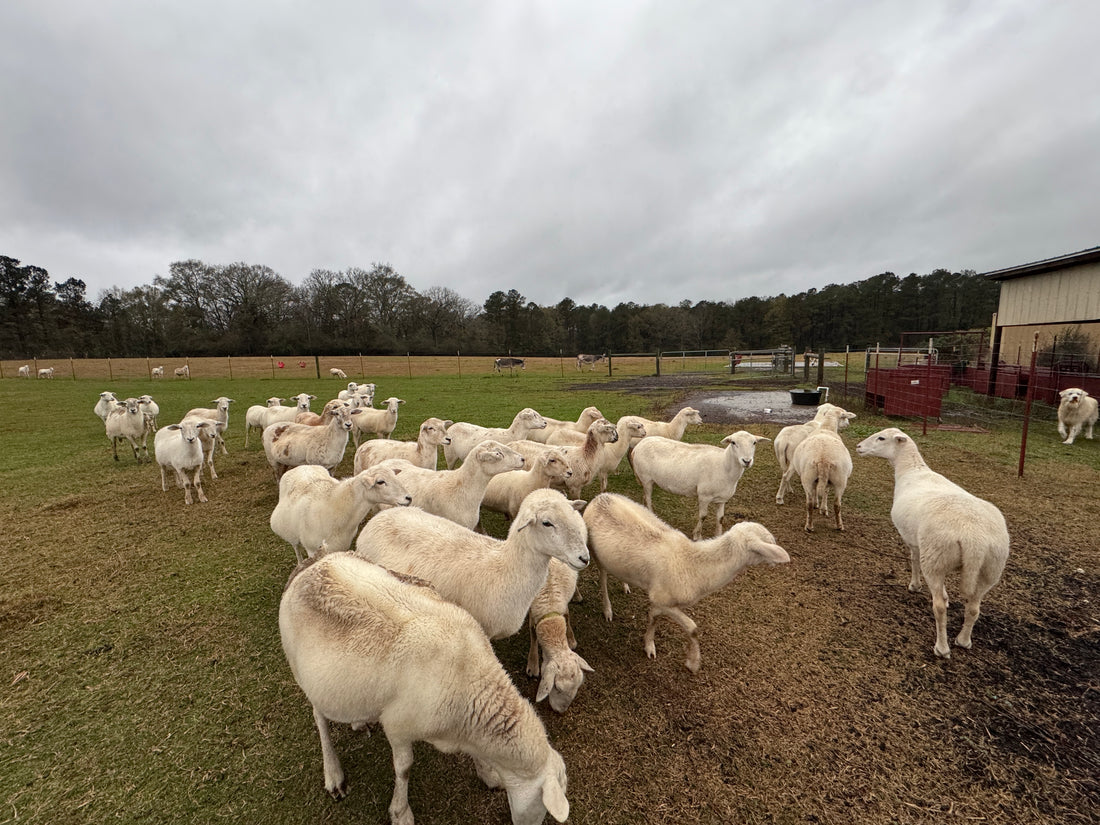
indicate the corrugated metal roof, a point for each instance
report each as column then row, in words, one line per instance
column 1085, row 256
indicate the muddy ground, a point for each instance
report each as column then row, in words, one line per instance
column 820, row 699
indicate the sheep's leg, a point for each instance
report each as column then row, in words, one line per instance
column 163, row 480
column 810, row 507
column 197, row 484
column 703, row 507
column 570, row 639
column 939, row 610
column 839, row 491
column 603, row 595
column 694, row 659
column 400, row 812
column 973, row 611
column 114, row 448
column 647, row 495
column 784, row 484
column 914, row 568
column 719, row 514
column 533, row 650
column 134, row 447
column 335, row 782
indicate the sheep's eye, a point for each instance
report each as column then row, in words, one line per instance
column 546, row 523
column 380, row 482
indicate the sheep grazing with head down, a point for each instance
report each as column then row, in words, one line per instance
column 493, row 579
column 946, row 529
column 318, row 514
column 562, row 669
column 1076, row 410
column 368, row 646
column 632, row 544
column 702, row 470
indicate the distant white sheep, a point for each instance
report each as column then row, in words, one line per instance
column 702, row 470
column 553, row 425
column 947, row 530
column 178, row 446
column 424, row 452
column 675, row 427
column 182, row 372
column 1077, row 409
column 126, row 421
column 366, row 646
column 632, row 544
column 336, row 372
column 260, row 417
column 822, row 461
column 381, row 422
column 562, row 669
column 465, row 435
column 254, row 416
column 288, row 444
column 318, row 514
column 506, row 491
column 156, row 372
column 107, row 402
column 25, row 371
column 46, row 372
column 151, row 410
column 493, row 579
column 793, row 435
column 457, row 494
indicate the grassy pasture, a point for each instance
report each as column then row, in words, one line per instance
column 144, row 680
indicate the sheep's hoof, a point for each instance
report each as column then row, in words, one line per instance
column 914, row 587
column 943, row 654
column 693, row 665
column 964, row 644
column 340, row 791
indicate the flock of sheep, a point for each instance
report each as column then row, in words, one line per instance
column 390, row 621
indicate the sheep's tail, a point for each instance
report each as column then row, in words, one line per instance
column 821, row 491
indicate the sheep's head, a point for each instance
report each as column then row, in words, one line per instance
column 743, row 446
column 557, row 525
column 563, row 675
column 884, row 443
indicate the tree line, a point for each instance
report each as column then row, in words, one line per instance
column 202, row 309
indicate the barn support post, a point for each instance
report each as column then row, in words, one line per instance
column 1027, row 405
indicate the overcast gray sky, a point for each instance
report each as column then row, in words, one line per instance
column 601, row 151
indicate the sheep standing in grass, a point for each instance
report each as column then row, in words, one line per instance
column 288, row 444
column 553, row 425
column 178, row 446
column 25, row 371
column 506, row 491
column 150, row 409
column 156, row 372
column 1077, row 409
column 126, row 421
column 631, row 429
column 254, row 416
column 790, row 437
column 584, row 459
column 632, row 544
column 318, row 514
column 821, row 461
column 381, row 422
column 456, row 494
column 702, row 470
column 219, row 414
column 336, row 372
column 562, row 669
column 367, row 646
column 107, row 402
column 495, row 580
column 424, row 452
column 946, row 529
column 673, row 428
column 464, row 436
column 182, row 372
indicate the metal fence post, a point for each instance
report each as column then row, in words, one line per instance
column 1027, row 405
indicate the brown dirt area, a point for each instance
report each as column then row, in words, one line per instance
column 820, row 699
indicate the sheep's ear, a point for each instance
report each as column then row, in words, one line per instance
column 760, row 438
column 849, row 415
column 447, row 423
column 578, row 504
column 526, row 524
column 553, row 798
column 174, row 427
column 356, row 411
column 772, row 553
column 201, row 424
column 901, row 438
column 546, row 684
column 727, row 440
column 587, row 668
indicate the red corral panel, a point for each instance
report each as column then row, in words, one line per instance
column 909, row 390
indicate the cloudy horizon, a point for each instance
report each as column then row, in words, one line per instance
column 616, row 152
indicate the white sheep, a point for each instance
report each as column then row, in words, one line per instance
column 1076, row 409
column 25, row 371
column 424, row 452
column 182, row 372
column 946, row 529
column 584, row 459
column 150, row 409
column 288, row 444
column 126, row 421
column 821, row 461
column 496, row 580
column 315, row 419
column 46, row 372
column 352, row 389
column 367, row 646
column 336, row 372
column 382, row 421
column 279, row 412
column 702, row 470
column 553, row 425
column 254, row 416
column 631, row 430
column 318, row 514
column 675, row 427
column 456, row 494
column 506, row 491
column 365, row 395
column 791, row 436
column 178, row 446
column 465, row 435
column 562, row 669
column 632, row 544
column 104, row 405
column 156, row 372
column 219, row 414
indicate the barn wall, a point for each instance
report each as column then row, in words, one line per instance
column 1067, row 296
